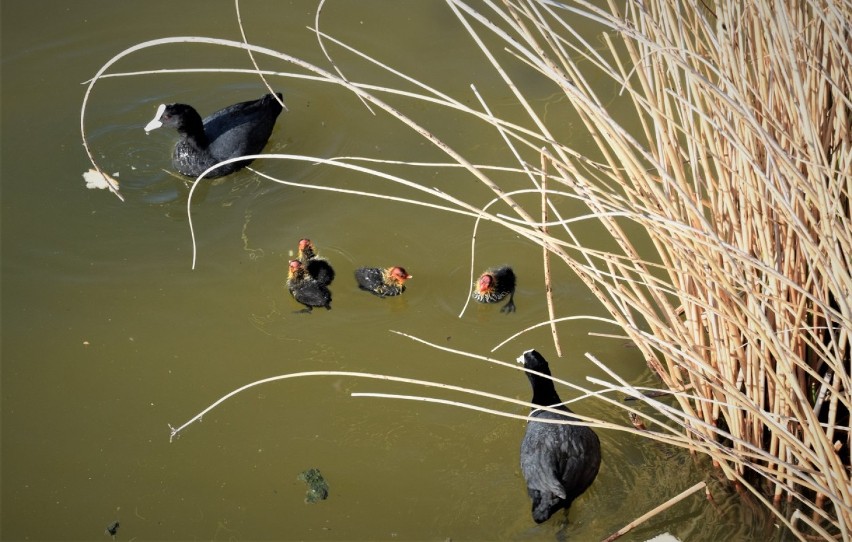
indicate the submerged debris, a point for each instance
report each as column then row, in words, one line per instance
column 112, row 528
column 317, row 486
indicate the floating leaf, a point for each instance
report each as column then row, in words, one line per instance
column 97, row 179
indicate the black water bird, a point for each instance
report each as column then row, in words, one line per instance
column 385, row 282
column 559, row 462
column 494, row 285
column 237, row 130
column 318, row 268
column 305, row 289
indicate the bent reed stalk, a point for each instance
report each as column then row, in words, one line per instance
column 738, row 174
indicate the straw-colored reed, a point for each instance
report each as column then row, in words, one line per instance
column 740, row 175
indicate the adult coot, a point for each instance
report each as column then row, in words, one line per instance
column 559, row 462
column 495, row 284
column 237, row 130
column 318, row 268
column 382, row 282
column 306, row 290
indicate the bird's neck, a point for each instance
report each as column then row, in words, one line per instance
column 192, row 130
column 544, row 392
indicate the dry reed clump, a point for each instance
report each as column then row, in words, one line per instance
column 741, row 176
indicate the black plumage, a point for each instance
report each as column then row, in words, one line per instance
column 382, row 282
column 318, row 268
column 306, row 290
column 237, row 130
column 494, row 285
column 559, row 462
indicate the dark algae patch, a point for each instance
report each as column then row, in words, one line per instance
column 317, row 486
column 112, row 528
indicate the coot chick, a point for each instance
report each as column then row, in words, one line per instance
column 318, row 268
column 237, row 130
column 306, row 290
column 559, row 462
column 382, row 282
column 495, row 284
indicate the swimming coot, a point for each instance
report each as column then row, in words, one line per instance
column 318, row 268
column 306, row 290
column 559, row 462
column 495, row 284
column 382, row 282
column 237, row 130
